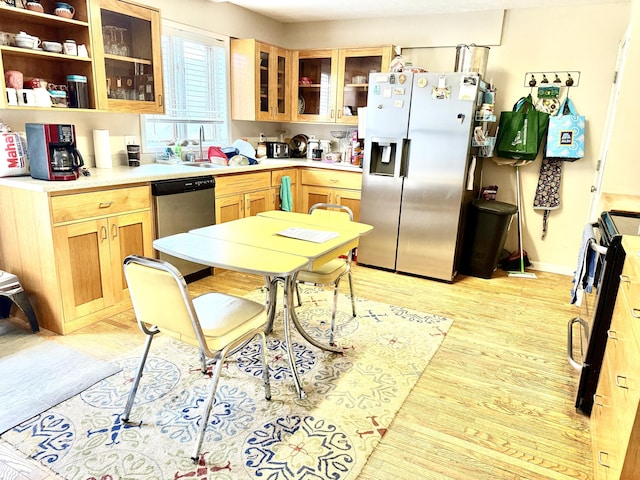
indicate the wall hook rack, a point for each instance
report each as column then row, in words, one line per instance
column 562, row 78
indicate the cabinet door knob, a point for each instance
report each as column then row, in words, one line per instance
column 612, row 334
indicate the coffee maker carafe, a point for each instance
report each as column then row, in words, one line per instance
column 52, row 151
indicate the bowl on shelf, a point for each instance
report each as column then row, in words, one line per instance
column 305, row 81
column 359, row 79
column 54, row 47
column 338, row 133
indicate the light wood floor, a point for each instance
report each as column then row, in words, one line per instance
column 496, row 401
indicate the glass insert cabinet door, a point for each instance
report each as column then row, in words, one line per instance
column 331, row 85
column 355, row 66
column 274, row 96
column 132, row 59
column 316, row 85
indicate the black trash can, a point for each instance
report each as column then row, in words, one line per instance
column 486, row 231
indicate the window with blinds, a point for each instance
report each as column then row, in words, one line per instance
column 195, row 70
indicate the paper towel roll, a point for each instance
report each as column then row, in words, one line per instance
column 102, row 149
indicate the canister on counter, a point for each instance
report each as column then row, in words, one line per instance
column 78, row 91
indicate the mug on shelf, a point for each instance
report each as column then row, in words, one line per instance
column 34, row 6
column 64, row 10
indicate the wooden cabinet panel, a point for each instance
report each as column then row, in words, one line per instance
column 239, row 196
column 90, row 255
column 130, row 234
column 615, row 419
column 84, row 268
column 229, row 207
column 331, row 178
column 66, row 208
column 260, row 81
column 330, row 85
column 242, row 183
column 331, row 186
column 129, row 80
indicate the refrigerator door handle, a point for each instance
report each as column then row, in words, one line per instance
column 402, row 167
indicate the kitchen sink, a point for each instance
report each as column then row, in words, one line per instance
column 202, row 164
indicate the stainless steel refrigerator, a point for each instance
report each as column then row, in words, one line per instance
column 419, row 171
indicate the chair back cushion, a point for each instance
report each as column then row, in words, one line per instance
column 160, row 297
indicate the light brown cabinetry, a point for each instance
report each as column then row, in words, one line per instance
column 243, row 195
column 69, row 249
column 331, row 186
column 260, row 81
column 52, row 67
column 615, row 418
column 330, row 85
column 128, row 44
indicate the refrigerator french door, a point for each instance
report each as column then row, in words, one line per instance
column 418, row 171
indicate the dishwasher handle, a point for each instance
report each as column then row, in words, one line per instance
column 181, row 185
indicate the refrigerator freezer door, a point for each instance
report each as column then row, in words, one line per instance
column 440, row 129
column 388, row 105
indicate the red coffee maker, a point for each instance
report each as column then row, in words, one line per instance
column 52, row 151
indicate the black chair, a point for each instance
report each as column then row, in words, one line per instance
column 11, row 292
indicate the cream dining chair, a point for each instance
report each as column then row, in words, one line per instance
column 214, row 322
column 332, row 272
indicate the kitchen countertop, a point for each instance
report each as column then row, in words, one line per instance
column 122, row 175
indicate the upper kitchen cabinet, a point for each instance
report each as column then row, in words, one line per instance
column 315, row 77
column 127, row 38
column 260, row 81
column 330, row 85
column 37, row 63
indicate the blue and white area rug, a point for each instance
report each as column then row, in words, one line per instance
column 351, row 400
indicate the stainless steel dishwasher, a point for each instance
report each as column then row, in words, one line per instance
column 181, row 205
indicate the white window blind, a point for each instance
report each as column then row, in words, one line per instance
column 195, row 75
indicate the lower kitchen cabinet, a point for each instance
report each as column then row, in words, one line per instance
column 244, row 195
column 615, row 418
column 331, row 186
column 67, row 250
column 90, row 255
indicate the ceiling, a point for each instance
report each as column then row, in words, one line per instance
column 293, row 11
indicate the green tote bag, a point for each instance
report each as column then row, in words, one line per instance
column 521, row 131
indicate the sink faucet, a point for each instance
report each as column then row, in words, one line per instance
column 201, row 142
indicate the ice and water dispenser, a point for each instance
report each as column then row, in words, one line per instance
column 387, row 156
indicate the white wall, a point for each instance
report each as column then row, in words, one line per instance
column 580, row 38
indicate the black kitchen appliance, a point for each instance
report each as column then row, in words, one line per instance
column 597, row 308
column 52, row 151
column 277, row 150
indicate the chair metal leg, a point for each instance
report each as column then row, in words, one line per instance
column 136, row 381
column 298, row 294
column 203, row 362
column 332, row 333
column 207, row 410
column 265, row 366
column 353, row 297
